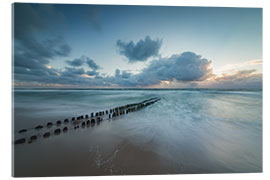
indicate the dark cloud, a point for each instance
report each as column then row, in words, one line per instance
column 92, row 73
column 76, row 62
column 73, row 72
column 125, row 75
column 140, row 51
column 32, row 51
column 91, row 63
column 185, row 67
column 82, row 60
column 117, row 73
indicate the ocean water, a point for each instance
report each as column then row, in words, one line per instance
column 209, row 131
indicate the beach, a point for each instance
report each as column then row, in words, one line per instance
column 186, row 131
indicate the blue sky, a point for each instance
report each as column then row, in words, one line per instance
column 137, row 46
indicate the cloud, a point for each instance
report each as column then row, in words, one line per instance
column 76, row 62
column 32, row 51
column 72, row 72
column 140, row 51
column 82, row 60
column 91, row 63
column 243, row 79
column 185, row 67
column 92, row 73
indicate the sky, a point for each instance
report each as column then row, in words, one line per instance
column 112, row 46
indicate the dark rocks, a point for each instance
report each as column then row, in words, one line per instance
column 97, row 114
column 20, row 141
column 65, row 129
column 66, row 121
column 86, row 116
column 88, row 122
column 38, row 127
column 22, row 131
column 57, row 131
column 73, row 119
column 46, row 135
column 92, row 114
column 93, row 121
column 58, row 123
column 79, row 117
column 49, row 124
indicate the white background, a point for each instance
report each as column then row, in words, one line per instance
column 6, row 86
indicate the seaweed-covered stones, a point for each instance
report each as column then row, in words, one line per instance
column 46, row 135
column 86, row 116
column 58, row 123
column 65, row 129
column 22, row 131
column 79, row 117
column 57, row 131
column 97, row 114
column 49, row 124
column 73, row 119
column 92, row 114
column 66, row 121
column 88, row 122
column 38, row 127
column 20, row 141
column 34, row 137
column 93, row 121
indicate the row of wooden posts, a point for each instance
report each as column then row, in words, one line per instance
column 86, row 120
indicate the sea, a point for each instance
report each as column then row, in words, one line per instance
column 193, row 130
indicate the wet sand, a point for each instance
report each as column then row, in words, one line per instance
column 90, row 151
column 87, row 151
